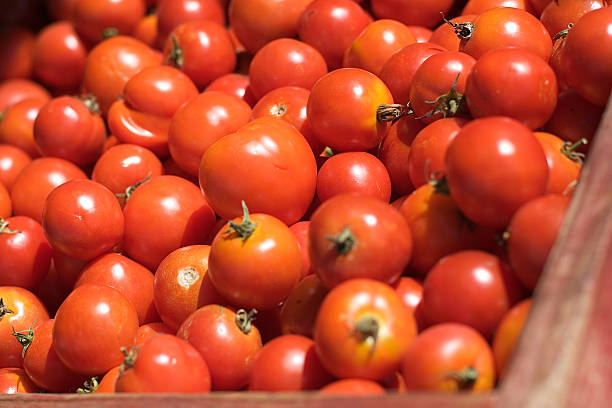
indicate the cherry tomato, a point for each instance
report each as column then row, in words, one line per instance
column 418, row 12
column 164, row 363
column 12, row 161
column 449, row 357
column 226, row 340
column 6, row 208
column 288, row 363
column 353, row 386
column 182, row 285
column 299, row 311
column 564, row 163
column 300, row 232
column 17, row 52
column 146, row 331
column 480, row 6
column 60, row 9
column 17, row 125
column 330, row 26
column 82, row 219
column 90, row 327
column 93, row 17
column 559, row 14
column 147, row 30
column 507, row 334
column 410, row 291
column 16, row 90
column 172, row 13
column 107, row 384
column 444, row 35
column 233, row 84
column 422, row 34
column 15, row 381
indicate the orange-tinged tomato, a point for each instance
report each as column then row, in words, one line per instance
column 15, row 381
column 507, row 335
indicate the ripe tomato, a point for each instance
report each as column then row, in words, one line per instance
column 164, row 363
column 60, row 9
column 363, row 330
column 16, row 90
column 182, row 285
column 351, row 236
column 82, row 219
column 59, row 57
column 587, row 69
column 37, row 180
column 68, row 269
column 353, row 386
column 256, row 262
column 559, row 14
column 475, row 288
column 288, row 363
column 17, row 52
column 20, row 310
column 202, row 49
column 43, row 366
column 422, row 34
column 446, row 37
column 417, row 12
column 201, row 122
column 507, row 335
column 185, row 215
column 93, row 17
column 70, row 128
column 299, row 311
column 356, row 129
column 493, row 166
column 6, row 208
column 26, row 253
column 480, row 6
column 330, row 26
column 12, row 161
column 233, row 84
column 172, row 13
column 15, row 381
column 226, row 340
column 266, row 156
column 17, row 125
column 300, row 232
column 377, row 42
column 107, row 384
column 564, row 163
column 90, row 327
column 449, row 357
column 146, row 331
column 410, row 291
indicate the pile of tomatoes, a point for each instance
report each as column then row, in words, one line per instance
column 282, row 195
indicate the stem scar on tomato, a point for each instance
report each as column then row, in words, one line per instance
column 465, row 378
column 4, row 229
column 366, row 330
column 130, row 359
column 344, row 241
column 246, row 227
column 463, row 30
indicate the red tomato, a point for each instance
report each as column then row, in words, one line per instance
column 422, row 34
column 449, row 357
column 6, row 208
column 266, row 156
column 588, row 69
column 13, row 91
column 446, row 37
column 233, row 84
column 300, row 232
column 68, row 269
column 507, row 335
column 470, row 287
column 488, row 93
column 202, row 49
column 90, row 327
column 51, row 290
column 288, row 363
column 564, row 163
column 17, row 125
column 60, row 9
column 37, row 180
column 539, row 5
column 93, row 17
column 129, row 278
column 182, row 285
column 26, row 253
column 59, row 57
column 15, row 381
column 201, row 122
column 147, row 30
column 330, row 26
column 226, row 340
column 164, row 363
column 17, row 52
column 107, row 384
column 187, row 219
column 20, row 310
column 411, row 292
column 559, row 14
column 363, row 330
column 172, row 13
column 12, row 161
column 417, row 12
column 42, row 364
column 493, row 166
column 353, row 386
column 257, row 22
column 256, row 262
column 82, row 219
column 146, row 331
column 299, row 311
column 356, row 236
column 354, row 129
column 353, row 172
column 480, row 6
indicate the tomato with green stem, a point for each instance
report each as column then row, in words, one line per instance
column 93, row 19
column 564, row 162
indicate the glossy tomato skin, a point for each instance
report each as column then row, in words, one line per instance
column 129, row 278
column 165, row 363
column 26, row 253
column 82, row 219
column 490, row 93
column 331, row 26
column 559, row 14
column 353, row 172
column 92, row 17
column 107, row 383
column 205, row 48
column 186, row 219
column 410, row 291
column 233, row 84
column 201, row 122
column 227, row 346
column 588, row 70
column 17, row 125
column 90, row 327
column 444, row 35
column 563, row 170
column 68, row 128
column 363, row 330
column 44, row 367
column 353, row 386
column 182, row 285
column 263, row 159
column 17, row 89
column 300, row 232
column 480, row 6
column 12, row 161
column 288, row 363
column 343, row 130
column 507, row 334
column 511, row 169
column 14, row 380
column 365, row 229
column 146, row 331
column 259, row 270
column 439, row 356
column 470, row 287
column 174, row 12
column 22, row 310
column 299, row 311
column 37, row 180
column 416, row 12
column 285, row 62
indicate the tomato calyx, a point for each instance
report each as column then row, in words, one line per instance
column 4, row 227
column 392, row 112
column 109, row 32
column 4, row 309
column 246, row 227
column 130, row 190
column 175, row 59
column 130, row 359
column 25, row 337
column 244, row 320
column 89, row 387
column 91, row 103
column 502, row 240
column 344, row 241
column 450, row 104
column 327, row 152
column 463, row 30
column 465, row 378
column 439, row 183
column 569, row 150
column 366, row 330
column 563, row 33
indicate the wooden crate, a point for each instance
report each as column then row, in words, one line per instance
column 564, row 356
